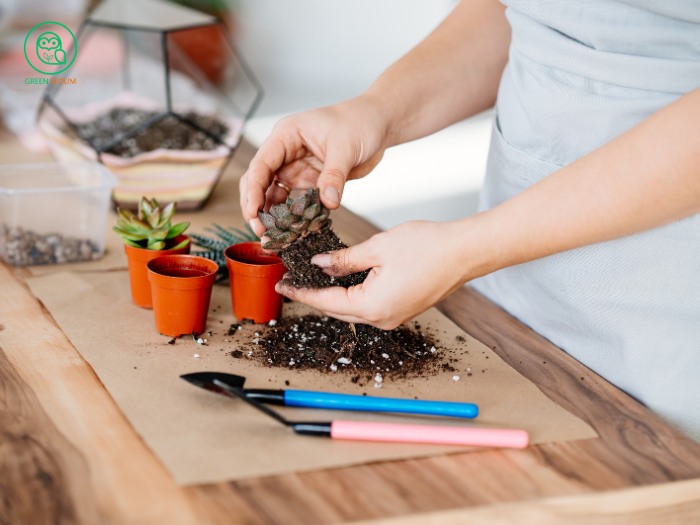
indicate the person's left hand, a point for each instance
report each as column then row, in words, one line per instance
column 412, row 267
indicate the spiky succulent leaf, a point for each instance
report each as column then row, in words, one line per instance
column 145, row 208
column 125, row 215
column 267, row 220
column 130, row 222
column 132, row 243
column 209, row 243
column 156, row 245
column 176, row 230
column 154, row 218
column 128, row 236
column 315, row 196
column 273, row 245
column 300, row 226
column 214, row 247
column 285, row 224
column 139, row 225
column 274, row 233
column 299, row 204
column 181, row 244
column 167, row 214
column 280, row 211
column 295, row 218
column 127, row 227
column 151, row 227
column 311, row 212
column 157, row 235
column 318, row 223
column 288, row 237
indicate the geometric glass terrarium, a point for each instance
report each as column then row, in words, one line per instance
column 160, row 98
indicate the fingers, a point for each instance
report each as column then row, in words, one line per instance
column 349, row 260
column 260, row 174
column 351, row 305
column 332, row 179
column 336, row 300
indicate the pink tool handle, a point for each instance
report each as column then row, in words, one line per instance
column 399, row 433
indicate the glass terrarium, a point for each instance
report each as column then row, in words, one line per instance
column 160, row 98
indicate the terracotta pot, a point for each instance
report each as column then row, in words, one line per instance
column 138, row 274
column 253, row 275
column 181, row 289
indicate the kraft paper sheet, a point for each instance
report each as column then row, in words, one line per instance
column 202, row 437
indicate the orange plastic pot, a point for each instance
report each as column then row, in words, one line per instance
column 138, row 258
column 253, row 275
column 181, row 290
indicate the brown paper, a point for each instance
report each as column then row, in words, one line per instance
column 202, row 437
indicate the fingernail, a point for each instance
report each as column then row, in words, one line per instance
column 331, row 195
column 322, row 260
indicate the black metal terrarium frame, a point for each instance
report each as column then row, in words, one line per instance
column 201, row 20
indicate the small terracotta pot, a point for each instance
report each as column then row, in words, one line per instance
column 138, row 274
column 181, row 289
column 253, row 275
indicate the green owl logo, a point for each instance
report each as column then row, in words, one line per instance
column 49, row 48
column 53, row 51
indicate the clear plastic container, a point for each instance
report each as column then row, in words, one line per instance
column 53, row 213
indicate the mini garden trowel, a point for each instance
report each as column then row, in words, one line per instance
column 387, row 432
column 331, row 401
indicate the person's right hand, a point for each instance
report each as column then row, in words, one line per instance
column 319, row 148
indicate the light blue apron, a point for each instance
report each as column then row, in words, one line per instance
column 581, row 73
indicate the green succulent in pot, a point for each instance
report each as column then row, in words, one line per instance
column 151, row 227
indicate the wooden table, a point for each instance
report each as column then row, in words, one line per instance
column 67, row 454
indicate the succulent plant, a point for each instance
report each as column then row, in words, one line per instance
column 151, row 227
column 294, row 219
column 214, row 247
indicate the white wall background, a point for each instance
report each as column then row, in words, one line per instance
column 309, row 53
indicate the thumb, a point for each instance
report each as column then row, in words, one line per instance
column 332, row 179
column 348, row 260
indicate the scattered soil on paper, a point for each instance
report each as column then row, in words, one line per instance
column 367, row 354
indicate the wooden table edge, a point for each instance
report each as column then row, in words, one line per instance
column 650, row 504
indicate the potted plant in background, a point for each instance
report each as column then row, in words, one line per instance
column 147, row 235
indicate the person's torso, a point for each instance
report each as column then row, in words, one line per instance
column 581, row 73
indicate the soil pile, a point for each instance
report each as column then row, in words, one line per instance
column 368, row 354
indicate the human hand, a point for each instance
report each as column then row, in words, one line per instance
column 319, row 148
column 413, row 266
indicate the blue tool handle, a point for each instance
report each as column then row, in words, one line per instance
column 309, row 399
